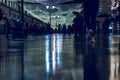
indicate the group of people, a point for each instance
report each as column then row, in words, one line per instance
column 90, row 11
column 84, row 22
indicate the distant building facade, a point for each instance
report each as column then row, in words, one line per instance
column 13, row 10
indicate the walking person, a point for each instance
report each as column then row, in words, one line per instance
column 78, row 23
column 90, row 12
column 106, row 25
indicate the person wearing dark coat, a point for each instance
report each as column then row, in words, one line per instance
column 78, row 23
column 90, row 8
column 106, row 25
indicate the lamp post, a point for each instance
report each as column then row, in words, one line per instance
column 50, row 8
column 22, row 19
column 22, row 11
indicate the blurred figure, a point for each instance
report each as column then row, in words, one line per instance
column 90, row 35
column 48, row 28
column 69, row 29
column 17, row 30
column 59, row 28
column 90, row 12
column 106, row 25
column 78, row 23
column 64, row 29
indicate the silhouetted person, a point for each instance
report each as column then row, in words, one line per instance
column 106, row 24
column 90, row 12
column 70, row 29
column 59, row 28
column 64, row 29
column 78, row 23
column 17, row 30
column 48, row 28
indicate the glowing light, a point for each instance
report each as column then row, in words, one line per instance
column 53, row 7
column 54, row 54
column 47, row 54
column 57, row 45
column 114, row 4
column 114, row 74
column 111, row 25
column 47, row 7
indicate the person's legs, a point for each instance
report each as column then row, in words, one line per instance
column 93, row 26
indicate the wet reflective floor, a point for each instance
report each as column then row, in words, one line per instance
column 60, row 57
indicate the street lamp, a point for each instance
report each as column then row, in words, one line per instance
column 50, row 8
column 22, row 11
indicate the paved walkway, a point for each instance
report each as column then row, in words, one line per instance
column 60, row 57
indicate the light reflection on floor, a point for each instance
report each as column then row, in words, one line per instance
column 59, row 57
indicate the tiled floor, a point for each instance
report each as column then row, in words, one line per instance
column 60, row 57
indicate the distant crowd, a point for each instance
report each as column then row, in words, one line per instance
column 16, row 28
column 11, row 26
